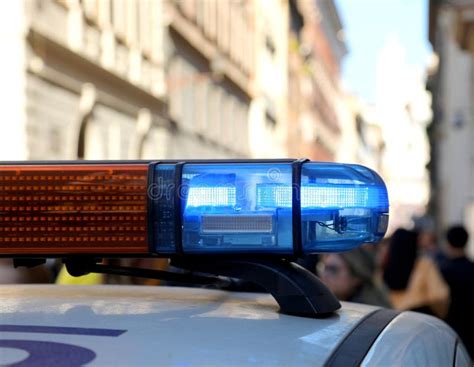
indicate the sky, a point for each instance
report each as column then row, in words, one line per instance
column 367, row 26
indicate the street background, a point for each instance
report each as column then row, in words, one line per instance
column 387, row 84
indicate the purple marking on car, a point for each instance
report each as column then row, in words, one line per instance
column 61, row 330
column 51, row 354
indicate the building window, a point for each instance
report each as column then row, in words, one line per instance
column 146, row 24
column 118, row 18
column 270, row 45
column 241, row 127
column 228, row 122
column 132, row 22
column 222, row 122
column 223, row 25
column 212, row 19
column 187, row 90
column 204, row 106
column 270, row 113
column 91, row 8
column 214, row 111
column 232, row 121
column 55, row 141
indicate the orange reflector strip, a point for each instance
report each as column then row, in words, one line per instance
column 73, row 209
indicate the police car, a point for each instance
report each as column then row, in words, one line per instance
column 217, row 221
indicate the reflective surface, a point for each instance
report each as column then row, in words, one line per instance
column 414, row 339
column 141, row 326
column 226, row 208
column 342, row 206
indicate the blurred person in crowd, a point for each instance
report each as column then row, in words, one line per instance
column 350, row 276
column 11, row 275
column 413, row 278
column 458, row 271
column 425, row 228
column 427, row 242
column 379, row 253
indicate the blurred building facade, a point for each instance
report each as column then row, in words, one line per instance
column 113, row 79
column 210, row 68
column 269, row 108
column 451, row 32
column 316, row 102
column 90, row 79
column 403, row 111
column 361, row 136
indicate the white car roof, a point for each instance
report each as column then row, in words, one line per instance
column 168, row 326
column 172, row 326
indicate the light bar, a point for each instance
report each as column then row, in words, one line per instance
column 73, row 209
column 320, row 196
column 169, row 208
column 343, row 206
column 211, row 196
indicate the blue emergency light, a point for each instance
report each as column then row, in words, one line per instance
column 264, row 214
column 276, row 207
column 281, row 207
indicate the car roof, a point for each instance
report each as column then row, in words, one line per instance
column 142, row 325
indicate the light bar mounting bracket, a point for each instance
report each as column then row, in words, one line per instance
column 296, row 290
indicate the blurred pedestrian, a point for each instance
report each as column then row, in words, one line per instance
column 458, row 271
column 380, row 254
column 351, row 277
column 427, row 241
column 413, row 278
column 425, row 228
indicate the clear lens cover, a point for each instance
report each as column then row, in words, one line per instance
column 226, row 208
column 342, row 206
column 248, row 208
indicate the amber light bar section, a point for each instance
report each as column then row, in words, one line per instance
column 73, row 209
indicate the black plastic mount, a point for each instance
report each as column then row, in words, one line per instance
column 296, row 167
column 28, row 262
column 82, row 266
column 295, row 289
